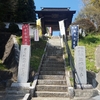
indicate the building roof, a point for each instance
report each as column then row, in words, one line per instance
column 51, row 16
column 55, row 9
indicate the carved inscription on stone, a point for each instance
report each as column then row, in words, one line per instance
column 80, row 65
column 23, row 68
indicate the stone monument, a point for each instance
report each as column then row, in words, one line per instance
column 24, row 60
column 80, row 65
column 97, row 56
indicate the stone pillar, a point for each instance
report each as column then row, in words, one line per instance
column 80, row 65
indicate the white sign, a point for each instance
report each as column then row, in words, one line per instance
column 62, row 27
column 80, row 65
column 31, row 31
column 36, row 35
column 24, row 61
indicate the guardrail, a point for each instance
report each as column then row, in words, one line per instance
column 70, row 59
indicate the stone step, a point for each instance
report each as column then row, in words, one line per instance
column 54, row 47
column 86, row 92
column 52, row 68
column 83, row 98
column 2, row 94
column 52, row 72
column 12, row 92
column 52, row 77
column 56, row 60
column 49, row 98
column 58, row 65
column 52, row 43
column 51, row 50
column 55, row 51
column 53, row 62
column 51, row 94
column 54, row 57
column 51, row 82
column 54, row 88
column 55, row 37
column 17, row 89
column 13, row 97
column 20, row 91
column 53, row 54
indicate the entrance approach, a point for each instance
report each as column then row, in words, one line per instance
column 50, row 17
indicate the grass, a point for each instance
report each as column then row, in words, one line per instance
column 2, row 66
column 90, row 42
column 19, row 40
column 37, row 50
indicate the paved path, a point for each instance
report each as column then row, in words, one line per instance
column 96, row 98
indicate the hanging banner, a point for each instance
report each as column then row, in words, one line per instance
column 74, row 33
column 36, row 35
column 50, row 30
column 62, row 27
column 39, row 27
column 25, row 35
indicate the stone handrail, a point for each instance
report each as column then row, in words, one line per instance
column 70, row 59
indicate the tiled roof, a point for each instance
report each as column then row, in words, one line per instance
column 55, row 9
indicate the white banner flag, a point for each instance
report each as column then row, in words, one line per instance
column 62, row 27
column 36, row 35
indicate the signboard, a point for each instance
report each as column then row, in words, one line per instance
column 80, row 65
column 24, row 61
column 25, row 35
column 62, row 27
column 74, row 33
column 36, row 35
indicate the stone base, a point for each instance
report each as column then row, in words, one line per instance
column 84, row 86
column 22, row 85
column 71, row 92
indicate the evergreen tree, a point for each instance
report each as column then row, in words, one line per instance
column 5, row 11
column 32, row 10
column 25, row 11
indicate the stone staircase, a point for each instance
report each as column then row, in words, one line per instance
column 16, row 93
column 2, row 91
column 51, row 81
